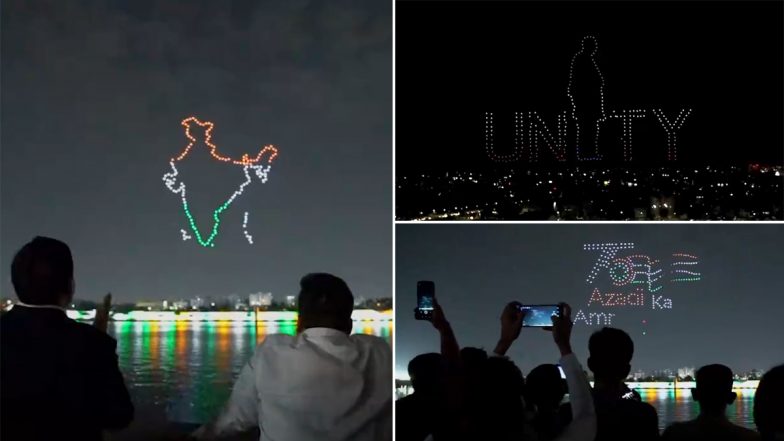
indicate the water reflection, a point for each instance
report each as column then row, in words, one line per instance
column 183, row 371
column 677, row 405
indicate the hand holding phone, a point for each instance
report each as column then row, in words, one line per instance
column 562, row 329
column 511, row 320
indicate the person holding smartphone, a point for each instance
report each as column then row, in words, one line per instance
column 583, row 424
column 497, row 411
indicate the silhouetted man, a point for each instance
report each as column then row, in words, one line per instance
column 59, row 378
column 714, row 393
column 417, row 415
column 620, row 414
column 545, row 390
column 769, row 405
column 322, row 384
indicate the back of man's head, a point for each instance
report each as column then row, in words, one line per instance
column 544, row 386
column 501, row 399
column 714, row 388
column 325, row 302
column 769, row 404
column 611, row 352
column 42, row 272
column 427, row 372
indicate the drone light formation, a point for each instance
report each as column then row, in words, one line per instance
column 245, row 228
column 529, row 126
column 683, row 270
column 260, row 166
column 569, row 92
column 672, row 127
column 632, row 271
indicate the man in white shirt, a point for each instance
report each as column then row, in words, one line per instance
column 322, row 384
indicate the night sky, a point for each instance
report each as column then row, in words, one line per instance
column 731, row 316
column 93, row 96
column 457, row 60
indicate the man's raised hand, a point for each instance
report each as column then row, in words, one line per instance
column 102, row 313
column 562, row 329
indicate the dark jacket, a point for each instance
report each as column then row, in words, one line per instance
column 59, row 379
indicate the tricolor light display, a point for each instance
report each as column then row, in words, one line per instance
column 258, row 165
column 636, row 280
column 588, row 119
column 359, row 315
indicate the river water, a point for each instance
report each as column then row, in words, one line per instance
column 182, row 372
column 674, row 405
column 677, row 405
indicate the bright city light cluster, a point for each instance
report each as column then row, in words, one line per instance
column 259, row 165
column 221, row 316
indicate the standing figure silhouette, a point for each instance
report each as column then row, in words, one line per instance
column 586, row 96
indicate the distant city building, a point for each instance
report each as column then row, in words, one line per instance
column 178, row 305
column 686, row 372
column 197, row 302
column 359, row 301
column 260, row 299
column 236, row 302
column 291, row 301
column 149, row 306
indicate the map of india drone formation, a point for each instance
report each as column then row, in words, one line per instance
column 259, row 165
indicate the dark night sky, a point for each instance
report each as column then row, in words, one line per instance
column 731, row 316
column 93, row 94
column 456, row 60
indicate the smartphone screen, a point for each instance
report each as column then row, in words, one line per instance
column 538, row 316
column 426, row 291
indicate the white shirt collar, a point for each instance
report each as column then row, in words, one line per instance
column 322, row 332
column 26, row 305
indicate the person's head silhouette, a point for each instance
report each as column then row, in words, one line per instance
column 611, row 352
column 427, row 373
column 42, row 273
column 714, row 388
column 501, row 399
column 544, row 387
column 769, row 404
column 325, row 302
column 589, row 45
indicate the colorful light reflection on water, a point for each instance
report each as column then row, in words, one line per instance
column 183, row 371
column 677, row 405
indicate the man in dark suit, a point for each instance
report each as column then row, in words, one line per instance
column 59, row 379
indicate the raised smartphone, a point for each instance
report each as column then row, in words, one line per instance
column 539, row 316
column 426, row 292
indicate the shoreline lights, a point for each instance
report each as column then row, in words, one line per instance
column 361, row 315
